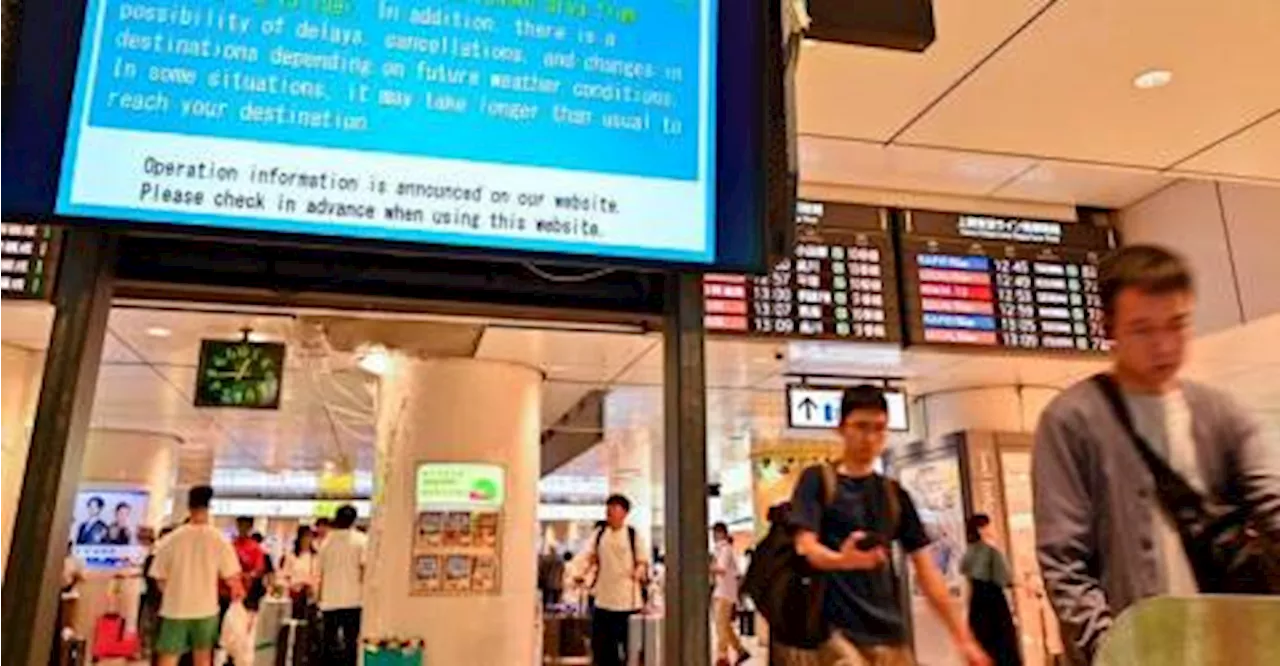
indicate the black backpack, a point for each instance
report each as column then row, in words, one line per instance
column 785, row 589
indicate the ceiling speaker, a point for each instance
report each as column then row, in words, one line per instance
column 905, row 25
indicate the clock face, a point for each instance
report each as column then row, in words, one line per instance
column 239, row 374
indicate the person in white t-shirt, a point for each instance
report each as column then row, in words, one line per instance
column 617, row 554
column 341, row 565
column 724, row 598
column 299, row 569
column 189, row 563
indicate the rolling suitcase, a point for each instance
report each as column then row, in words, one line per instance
column 72, row 651
column 294, row 644
column 566, row 639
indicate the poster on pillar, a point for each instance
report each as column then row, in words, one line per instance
column 456, row 541
column 104, row 532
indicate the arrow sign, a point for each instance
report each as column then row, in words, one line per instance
column 808, row 405
column 813, row 407
column 818, row 407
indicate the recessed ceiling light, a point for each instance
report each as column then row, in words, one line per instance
column 375, row 360
column 159, row 332
column 1152, row 78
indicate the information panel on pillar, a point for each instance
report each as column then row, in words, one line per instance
column 984, row 281
column 543, row 127
column 839, row 284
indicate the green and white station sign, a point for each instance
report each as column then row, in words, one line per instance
column 460, row 486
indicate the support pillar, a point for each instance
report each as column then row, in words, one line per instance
column 33, row 576
column 463, row 411
column 686, row 636
column 21, row 382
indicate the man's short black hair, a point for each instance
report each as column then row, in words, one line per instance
column 345, row 518
column 720, row 528
column 244, row 520
column 864, row 396
column 199, row 497
column 619, row 501
column 1149, row 268
column 96, row 500
column 124, row 505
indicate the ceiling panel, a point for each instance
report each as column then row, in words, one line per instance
column 1253, row 153
column 1076, row 183
column 873, row 165
column 26, row 324
column 173, row 338
column 868, row 93
column 1063, row 87
column 580, row 356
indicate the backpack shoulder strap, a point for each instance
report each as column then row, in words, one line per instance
column 893, row 503
column 830, row 483
column 631, row 536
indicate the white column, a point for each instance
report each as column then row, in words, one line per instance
column 20, row 375
column 457, row 410
column 999, row 408
column 632, row 444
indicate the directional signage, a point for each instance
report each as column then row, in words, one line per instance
column 818, row 408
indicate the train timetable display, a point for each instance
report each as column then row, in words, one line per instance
column 976, row 280
column 839, row 283
column 28, row 253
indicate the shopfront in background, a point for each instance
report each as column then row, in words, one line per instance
column 296, row 158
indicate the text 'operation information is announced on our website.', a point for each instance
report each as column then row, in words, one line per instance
column 577, row 126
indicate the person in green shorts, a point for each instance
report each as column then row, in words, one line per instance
column 189, row 563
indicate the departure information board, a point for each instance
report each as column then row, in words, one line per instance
column 976, row 280
column 26, row 260
column 839, row 283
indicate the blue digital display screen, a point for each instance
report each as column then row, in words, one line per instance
column 550, row 126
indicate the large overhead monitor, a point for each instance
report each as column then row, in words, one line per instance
column 621, row 130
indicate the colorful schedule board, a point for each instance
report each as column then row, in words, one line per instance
column 983, row 281
column 27, row 253
column 840, row 282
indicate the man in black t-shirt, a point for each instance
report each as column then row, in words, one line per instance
column 849, row 537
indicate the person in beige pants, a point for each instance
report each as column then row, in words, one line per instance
column 724, row 598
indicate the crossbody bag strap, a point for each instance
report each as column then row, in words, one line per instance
column 1184, row 504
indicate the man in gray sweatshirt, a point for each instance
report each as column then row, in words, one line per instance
column 1104, row 540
